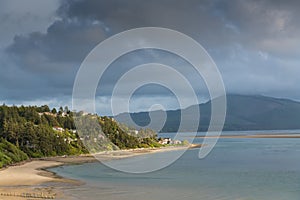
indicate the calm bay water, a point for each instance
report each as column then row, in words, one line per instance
column 237, row 169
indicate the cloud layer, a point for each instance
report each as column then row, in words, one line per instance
column 255, row 44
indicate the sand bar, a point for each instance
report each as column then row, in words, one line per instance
column 256, row 136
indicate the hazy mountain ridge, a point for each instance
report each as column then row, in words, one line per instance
column 244, row 112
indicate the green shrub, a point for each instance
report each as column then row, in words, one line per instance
column 9, row 153
column 4, row 160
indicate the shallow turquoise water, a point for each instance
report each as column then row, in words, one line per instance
column 237, row 169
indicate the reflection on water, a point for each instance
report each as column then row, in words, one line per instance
column 241, row 169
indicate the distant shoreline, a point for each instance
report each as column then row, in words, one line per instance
column 255, row 136
column 31, row 178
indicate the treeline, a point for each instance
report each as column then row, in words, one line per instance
column 33, row 132
column 30, row 130
column 104, row 134
column 124, row 138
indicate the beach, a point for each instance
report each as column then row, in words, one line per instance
column 31, row 179
column 17, row 181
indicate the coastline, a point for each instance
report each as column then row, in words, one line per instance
column 29, row 179
column 255, row 136
column 32, row 180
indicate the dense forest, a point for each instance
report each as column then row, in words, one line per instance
column 32, row 132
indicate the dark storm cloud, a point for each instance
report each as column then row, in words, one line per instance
column 65, row 41
column 49, row 60
column 22, row 18
column 265, row 25
column 194, row 17
column 258, row 23
column 254, row 43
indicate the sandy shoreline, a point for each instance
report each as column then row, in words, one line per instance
column 16, row 181
column 29, row 173
column 28, row 180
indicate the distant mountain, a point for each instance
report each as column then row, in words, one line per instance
column 243, row 113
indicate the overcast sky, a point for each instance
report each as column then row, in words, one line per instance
column 255, row 44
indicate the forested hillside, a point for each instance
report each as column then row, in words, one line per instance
column 33, row 132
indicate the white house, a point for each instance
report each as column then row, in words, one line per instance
column 57, row 128
column 165, row 141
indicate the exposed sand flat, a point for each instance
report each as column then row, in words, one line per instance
column 20, row 182
column 118, row 154
column 257, row 136
column 27, row 174
column 136, row 152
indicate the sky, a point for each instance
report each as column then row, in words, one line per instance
column 254, row 43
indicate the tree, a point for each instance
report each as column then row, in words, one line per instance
column 61, row 110
column 42, row 109
column 54, row 111
column 66, row 110
column 30, row 130
column 45, row 108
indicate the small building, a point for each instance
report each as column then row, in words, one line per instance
column 57, row 128
column 73, row 131
column 177, row 142
column 165, row 141
column 47, row 113
column 101, row 136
